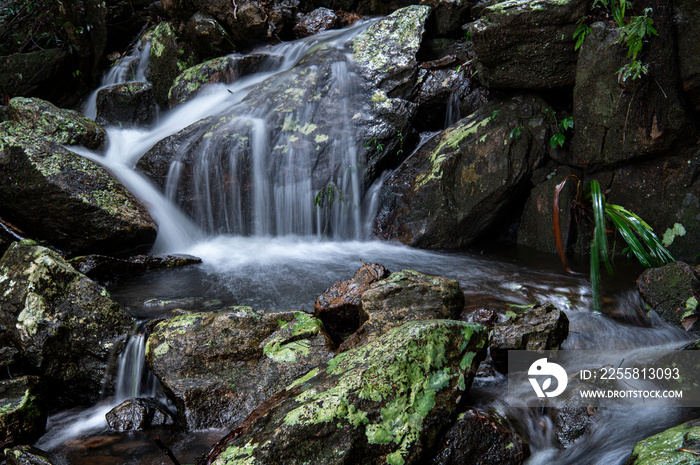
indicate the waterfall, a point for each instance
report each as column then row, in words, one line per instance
column 130, row 68
column 134, row 379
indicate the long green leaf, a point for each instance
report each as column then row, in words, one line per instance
column 599, row 237
column 628, row 234
column 595, row 274
column 654, row 252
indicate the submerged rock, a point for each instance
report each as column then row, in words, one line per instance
column 125, row 105
column 104, row 269
column 45, row 120
column 524, row 44
column 541, row 327
column 466, row 182
column 138, row 414
column 673, row 291
column 218, row 366
column 404, row 296
column 63, row 324
column 71, row 202
column 381, row 403
column 481, row 438
column 340, row 308
column 23, row 411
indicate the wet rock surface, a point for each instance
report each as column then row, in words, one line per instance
column 62, row 324
column 668, row 447
column 481, row 438
column 218, row 366
column 340, row 306
column 465, row 181
column 138, row 414
column 23, row 410
column 538, row 328
column 126, row 105
column 383, row 402
column 28, row 455
column 67, row 200
column 673, row 291
column 106, row 269
column 316, row 21
column 404, row 296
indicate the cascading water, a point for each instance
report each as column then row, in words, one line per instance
column 239, row 193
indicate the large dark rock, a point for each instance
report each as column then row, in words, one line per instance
column 219, row 366
column 316, row 21
column 404, row 296
column 524, row 44
column 63, row 324
column 138, row 414
column 542, row 327
column 686, row 19
column 467, row 181
column 127, row 104
column 481, row 438
column 225, row 70
column 33, row 73
column 104, row 269
column 615, row 122
column 44, row 119
column 672, row 291
column 385, row 402
column 23, row 411
column 340, row 307
column 664, row 192
column 536, row 222
column 207, row 36
column 448, row 16
column 53, row 194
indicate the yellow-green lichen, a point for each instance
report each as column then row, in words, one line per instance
column 678, row 230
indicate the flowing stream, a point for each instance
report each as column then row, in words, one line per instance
column 267, row 245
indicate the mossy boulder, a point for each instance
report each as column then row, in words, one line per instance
column 526, row 44
column 169, row 57
column 28, row 455
column 481, row 438
column 225, row 70
column 618, row 122
column 125, row 105
column 23, row 410
column 674, row 446
column 55, row 195
column 63, row 324
column 45, row 120
column 385, row 402
column 218, row 366
column 469, row 180
column 340, row 306
column 405, row 295
column 673, row 291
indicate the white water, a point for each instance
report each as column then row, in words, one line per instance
column 279, row 260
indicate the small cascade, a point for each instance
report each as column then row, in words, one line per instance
column 130, row 68
column 134, row 379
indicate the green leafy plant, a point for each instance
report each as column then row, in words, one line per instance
column 516, row 131
column 374, row 142
column 582, row 30
column 324, row 200
column 564, row 125
column 590, row 203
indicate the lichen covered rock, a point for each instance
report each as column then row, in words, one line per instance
column 22, row 410
column 73, row 203
column 466, row 181
column 45, row 120
column 63, row 324
column 381, row 403
column 218, row 366
column 28, row 455
column 405, row 295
